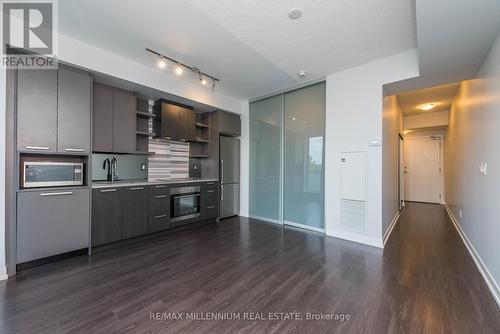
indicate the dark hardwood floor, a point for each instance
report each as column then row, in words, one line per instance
column 424, row 281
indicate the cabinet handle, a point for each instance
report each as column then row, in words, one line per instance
column 137, row 188
column 210, row 183
column 74, row 149
column 160, row 216
column 41, row 148
column 222, row 192
column 108, row 190
column 211, row 207
column 222, row 170
column 210, row 191
column 57, row 194
column 160, row 196
column 162, row 186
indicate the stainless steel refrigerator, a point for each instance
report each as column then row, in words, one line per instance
column 229, row 168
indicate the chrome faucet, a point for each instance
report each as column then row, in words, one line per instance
column 112, row 169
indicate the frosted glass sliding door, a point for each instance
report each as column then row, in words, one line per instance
column 304, row 172
column 265, row 158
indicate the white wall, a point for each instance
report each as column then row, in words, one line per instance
column 392, row 124
column 426, row 119
column 89, row 57
column 353, row 119
column 472, row 138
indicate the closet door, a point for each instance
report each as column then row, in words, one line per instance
column 265, row 158
column 304, row 173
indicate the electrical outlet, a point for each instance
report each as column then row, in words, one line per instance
column 483, row 168
column 143, row 167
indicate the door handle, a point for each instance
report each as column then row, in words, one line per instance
column 222, row 192
column 108, row 190
column 40, row 148
column 63, row 193
column 74, row 149
column 222, row 170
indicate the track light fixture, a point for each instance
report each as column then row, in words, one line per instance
column 179, row 69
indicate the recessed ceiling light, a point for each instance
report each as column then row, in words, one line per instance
column 203, row 81
column 302, row 74
column 426, row 106
column 295, row 13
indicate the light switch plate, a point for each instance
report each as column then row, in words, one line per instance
column 483, row 168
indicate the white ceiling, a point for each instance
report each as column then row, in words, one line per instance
column 442, row 96
column 252, row 46
column 454, row 37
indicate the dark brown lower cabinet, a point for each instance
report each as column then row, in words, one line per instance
column 136, row 209
column 209, row 201
column 107, row 215
column 159, row 208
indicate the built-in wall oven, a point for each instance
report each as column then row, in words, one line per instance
column 41, row 172
column 184, row 203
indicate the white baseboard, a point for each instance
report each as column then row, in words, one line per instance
column 355, row 237
column 490, row 282
column 3, row 273
column 387, row 233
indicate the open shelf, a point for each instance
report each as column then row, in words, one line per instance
column 201, row 125
column 143, row 114
column 148, row 134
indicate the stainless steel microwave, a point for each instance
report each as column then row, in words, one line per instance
column 51, row 173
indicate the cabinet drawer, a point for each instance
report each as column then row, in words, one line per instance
column 159, row 222
column 159, row 205
column 212, row 185
column 160, row 189
column 51, row 222
column 209, row 211
column 209, row 197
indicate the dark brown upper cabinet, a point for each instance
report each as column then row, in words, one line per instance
column 114, row 121
column 228, row 124
column 53, row 113
column 73, row 115
column 37, row 110
column 177, row 122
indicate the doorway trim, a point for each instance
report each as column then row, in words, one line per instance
column 424, row 135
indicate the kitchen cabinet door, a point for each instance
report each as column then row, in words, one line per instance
column 107, row 215
column 51, row 222
column 73, row 115
column 159, row 208
column 102, row 120
column 228, row 124
column 124, row 121
column 187, row 124
column 37, row 110
column 136, row 211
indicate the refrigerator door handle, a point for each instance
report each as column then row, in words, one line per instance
column 222, row 170
column 221, row 192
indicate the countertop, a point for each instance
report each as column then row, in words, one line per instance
column 128, row 183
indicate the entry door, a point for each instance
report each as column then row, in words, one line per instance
column 422, row 169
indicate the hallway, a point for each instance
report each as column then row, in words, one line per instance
column 424, row 281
